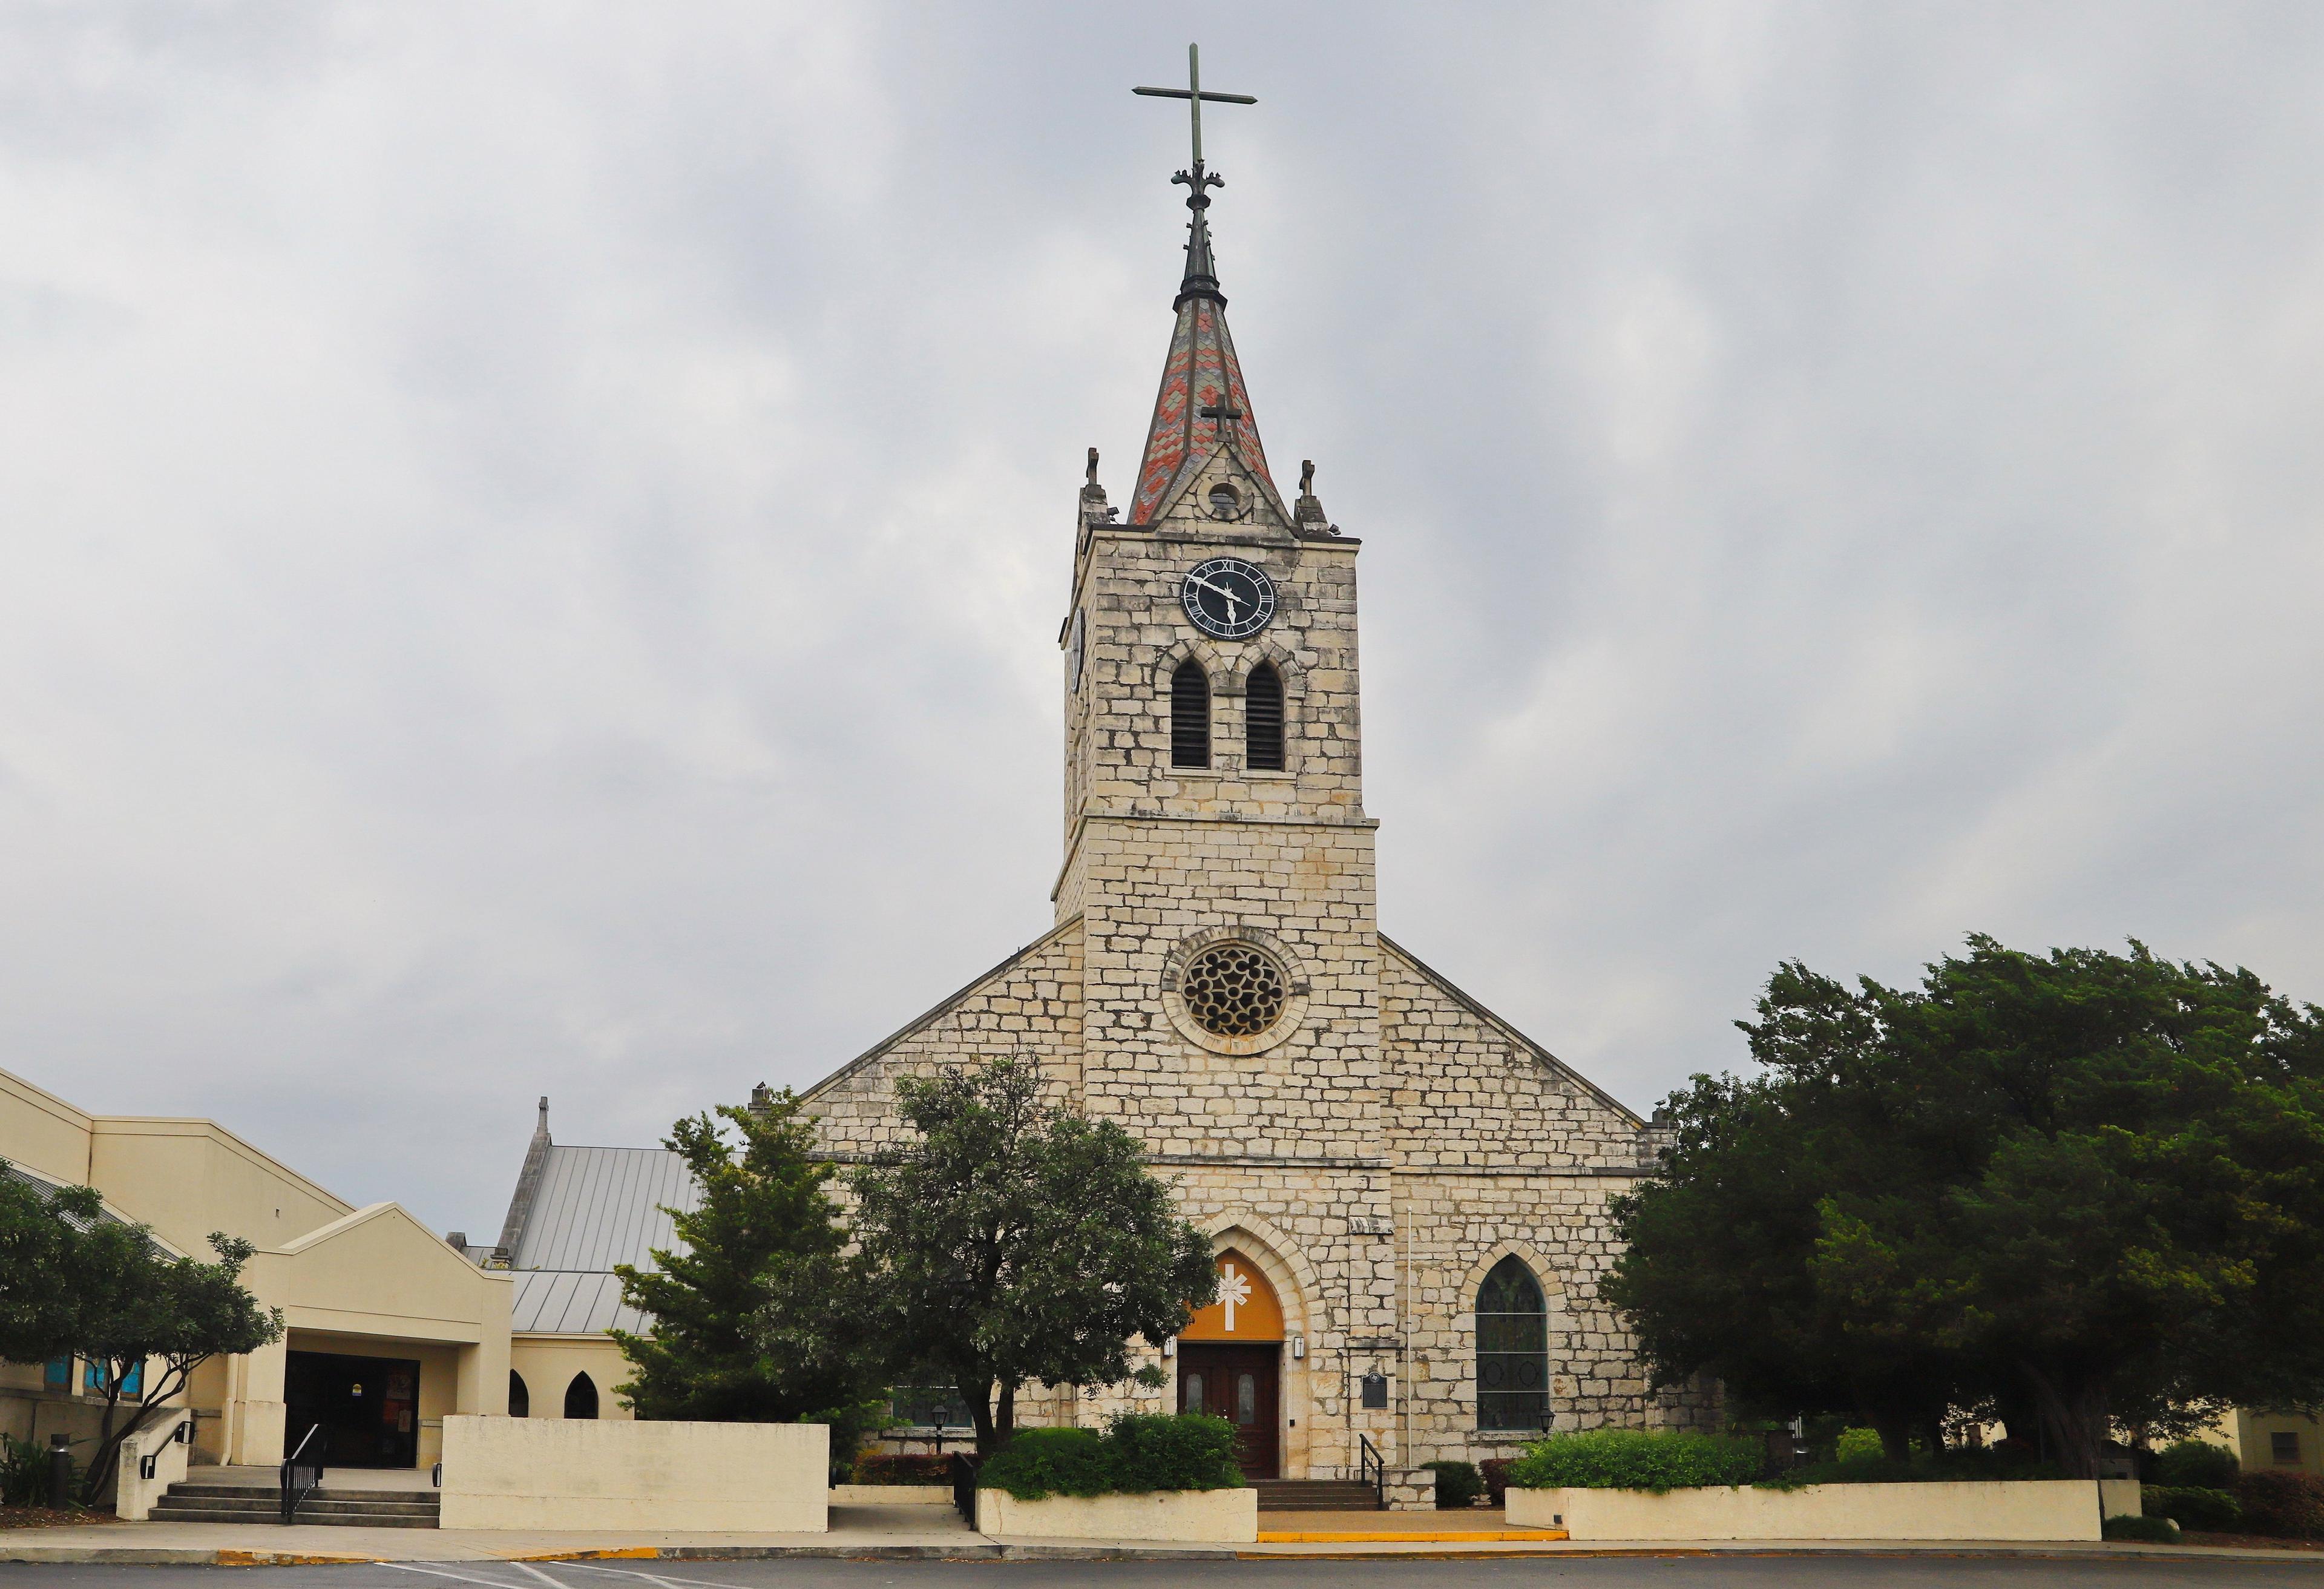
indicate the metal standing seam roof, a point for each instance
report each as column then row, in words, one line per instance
column 570, row 1302
column 600, row 1206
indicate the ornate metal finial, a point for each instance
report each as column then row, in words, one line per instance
column 1202, row 276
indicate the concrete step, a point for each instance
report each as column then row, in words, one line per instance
column 203, row 1514
column 248, row 1504
column 274, row 1492
column 1315, row 1495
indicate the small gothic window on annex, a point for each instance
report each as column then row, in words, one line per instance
column 1233, row 990
column 1262, row 719
column 1512, row 1350
column 581, row 1397
column 1190, row 716
column 520, row 1399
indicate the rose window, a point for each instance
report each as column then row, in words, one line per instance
column 1233, row 991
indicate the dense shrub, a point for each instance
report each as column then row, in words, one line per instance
column 1495, row 1470
column 25, row 1472
column 2289, row 1505
column 2193, row 1507
column 2196, row 1464
column 1954, row 1462
column 1138, row 1452
column 1635, row 1459
column 1457, row 1484
column 1858, row 1445
column 2152, row 1530
column 888, row 1468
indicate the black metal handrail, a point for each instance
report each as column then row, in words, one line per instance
column 302, row 1475
column 1372, row 1468
column 964, row 1486
column 149, row 1464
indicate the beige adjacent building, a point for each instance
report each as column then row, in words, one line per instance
column 1418, row 1189
column 389, row 1326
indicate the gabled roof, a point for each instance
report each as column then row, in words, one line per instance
column 595, row 1208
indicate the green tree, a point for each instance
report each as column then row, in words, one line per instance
column 1011, row 1244
column 2086, row 1182
column 1715, row 1275
column 73, row 1280
column 765, row 1233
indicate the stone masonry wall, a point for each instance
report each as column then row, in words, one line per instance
column 1028, row 1008
column 1467, row 1091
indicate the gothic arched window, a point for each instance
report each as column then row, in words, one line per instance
column 1190, row 716
column 1512, row 1350
column 1262, row 719
column 520, row 1399
column 581, row 1398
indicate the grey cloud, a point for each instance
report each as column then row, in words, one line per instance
column 534, row 536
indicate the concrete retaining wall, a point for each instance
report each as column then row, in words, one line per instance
column 891, row 1495
column 1222, row 1517
column 515, row 1473
column 2045, row 1509
column 134, row 1494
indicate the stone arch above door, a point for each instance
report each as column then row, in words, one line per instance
column 1276, row 1256
column 1248, row 1308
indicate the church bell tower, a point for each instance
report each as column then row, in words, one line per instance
column 1216, row 847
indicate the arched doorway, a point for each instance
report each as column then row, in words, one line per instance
column 581, row 1397
column 1231, row 1364
column 520, row 1399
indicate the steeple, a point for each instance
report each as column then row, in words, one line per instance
column 1203, row 404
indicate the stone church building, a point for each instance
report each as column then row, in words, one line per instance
column 1407, row 1195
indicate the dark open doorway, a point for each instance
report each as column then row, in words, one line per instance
column 1244, row 1386
column 367, row 1409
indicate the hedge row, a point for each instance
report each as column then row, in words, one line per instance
column 1636, row 1459
column 1137, row 1453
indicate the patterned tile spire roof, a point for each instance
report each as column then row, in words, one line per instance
column 1201, row 372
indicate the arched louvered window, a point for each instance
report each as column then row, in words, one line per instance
column 1262, row 719
column 1190, row 716
column 1512, row 1349
column 581, row 1398
column 520, row 1399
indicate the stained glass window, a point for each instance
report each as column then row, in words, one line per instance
column 1512, row 1349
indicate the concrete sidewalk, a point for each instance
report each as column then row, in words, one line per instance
column 924, row 1532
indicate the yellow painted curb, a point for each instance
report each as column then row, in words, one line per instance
column 288, row 1558
column 1414, row 1537
column 616, row 1553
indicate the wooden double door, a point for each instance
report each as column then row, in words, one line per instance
column 1243, row 1385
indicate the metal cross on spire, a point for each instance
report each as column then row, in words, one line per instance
column 1193, row 94
column 1202, row 279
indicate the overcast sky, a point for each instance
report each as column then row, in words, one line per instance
column 534, row 535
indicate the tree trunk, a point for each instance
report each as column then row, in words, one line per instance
column 103, row 1461
column 1895, row 1439
column 2073, row 1413
column 1005, row 1424
column 1932, row 1432
column 979, row 1397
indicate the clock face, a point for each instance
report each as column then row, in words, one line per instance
column 1228, row 598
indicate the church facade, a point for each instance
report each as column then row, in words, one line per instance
column 1409, row 1196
